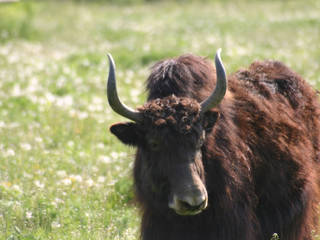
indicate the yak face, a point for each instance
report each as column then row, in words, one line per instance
column 169, row 133
column 169, row 167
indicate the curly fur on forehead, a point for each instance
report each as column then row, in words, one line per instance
column 178, row 113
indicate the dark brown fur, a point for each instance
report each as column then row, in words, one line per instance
column 260, row 161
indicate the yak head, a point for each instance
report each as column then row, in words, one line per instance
column 169, row 134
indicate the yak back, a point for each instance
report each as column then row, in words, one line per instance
column 268, row 138
column 271, row 100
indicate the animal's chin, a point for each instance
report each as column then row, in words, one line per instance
column 188, row 212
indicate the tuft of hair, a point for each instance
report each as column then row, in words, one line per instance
column 185, row 76
column 177, row 113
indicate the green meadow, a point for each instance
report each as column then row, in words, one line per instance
column 62, row 174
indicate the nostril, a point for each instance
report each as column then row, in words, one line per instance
column 187, row 206
column 195, row 203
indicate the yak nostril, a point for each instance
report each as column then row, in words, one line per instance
column 197, row 202
column 191, row 204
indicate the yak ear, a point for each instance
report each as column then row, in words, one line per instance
column 128, row 133
column 209, row 120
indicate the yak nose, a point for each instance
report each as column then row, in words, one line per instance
column 194, row 202
column 190, row 204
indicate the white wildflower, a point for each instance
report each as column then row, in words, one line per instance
column 9, row 153
column 28, row 215
column 17, row 188
column 27, row 175
column 25, row 146
column 34, row 85
column 95, row 108
column 100, row 145
column 38, row 139
column 101, row 179
column 82, row 154
column 134, row 92
column 38, row 184
column 16, row 91
column 50, row 97
column 90, row 182
column 65, row 101
column 122, row 154
column 82, row 115
column 55, row 224
column 57, row 201
column 61, row 173
column 13, row 125
column 97, row 100
column 104, row 159
column 67, row 181
column 76, row 178
column 114, row 154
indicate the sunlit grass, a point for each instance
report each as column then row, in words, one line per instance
column 62, row 175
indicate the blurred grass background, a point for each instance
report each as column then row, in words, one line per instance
column 62, row 175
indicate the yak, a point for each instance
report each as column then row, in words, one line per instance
column 223, row 158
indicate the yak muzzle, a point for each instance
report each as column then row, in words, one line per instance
column 191, row 203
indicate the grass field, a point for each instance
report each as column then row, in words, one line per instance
column 62, row 175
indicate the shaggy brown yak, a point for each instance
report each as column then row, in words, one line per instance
column 239, row 163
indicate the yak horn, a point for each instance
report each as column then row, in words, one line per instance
column 113, row 98
column 221, row 87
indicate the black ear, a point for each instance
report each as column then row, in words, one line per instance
column 209, row 120
column 128, row 133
